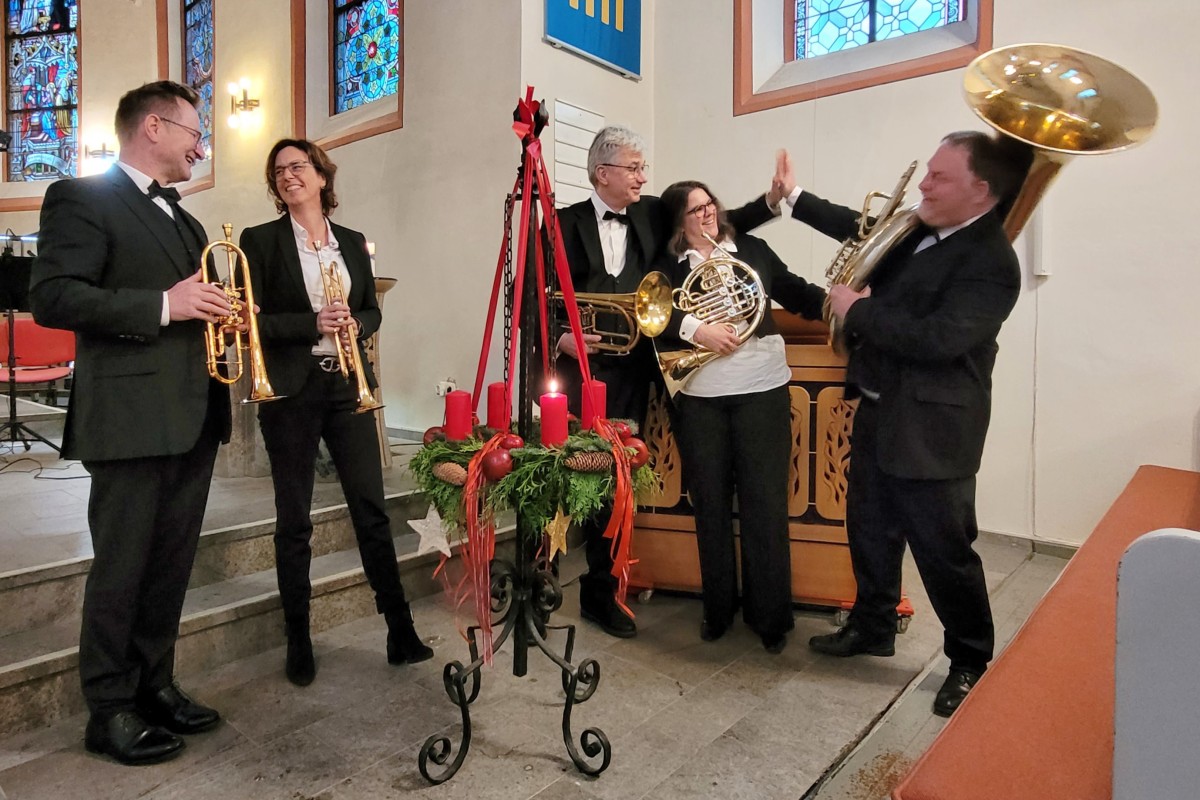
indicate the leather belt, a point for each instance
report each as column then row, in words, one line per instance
column 328, row 364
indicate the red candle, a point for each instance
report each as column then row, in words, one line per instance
column 554, row 418
column 458, row 415
column 595, row 403
column 498, row 414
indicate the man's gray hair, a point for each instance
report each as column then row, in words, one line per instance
column 609, row 142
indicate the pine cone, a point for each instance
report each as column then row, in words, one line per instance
column 451, row 473
column 589, row 462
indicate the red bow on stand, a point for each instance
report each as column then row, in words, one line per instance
column 479, row 548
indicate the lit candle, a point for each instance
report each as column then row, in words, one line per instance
column 595, row 403
column 554, row 417
column 458, row 415
column 371, row 253
column 498, row 414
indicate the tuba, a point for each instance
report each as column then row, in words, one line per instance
column 349, row 360
column 647, row 310
column 720, row 290
column 226, row 334
column 1059, row 101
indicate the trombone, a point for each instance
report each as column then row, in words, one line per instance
column 349, row 360
column 647, row 310
column 225, row 335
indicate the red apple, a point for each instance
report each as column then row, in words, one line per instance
column 433, row 434
column 642, row 454
column 622, row 430
column 497, row 464
column 511, row 441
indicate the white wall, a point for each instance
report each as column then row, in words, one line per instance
column 1097, row 369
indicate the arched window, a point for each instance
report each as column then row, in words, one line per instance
column 41, row 45
column 821, row 27
column 366, row 52
column 197, row 67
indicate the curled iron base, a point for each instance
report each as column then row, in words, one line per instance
column 525, row 606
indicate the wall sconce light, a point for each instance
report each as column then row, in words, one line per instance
column 240, row 102
column 102, row 152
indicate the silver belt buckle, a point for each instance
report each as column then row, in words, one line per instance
column 328, row 364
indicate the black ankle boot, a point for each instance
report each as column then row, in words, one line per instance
column 301, row 665
column 404, row 646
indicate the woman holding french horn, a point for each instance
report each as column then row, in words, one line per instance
column 312, row 280
column 733, row 424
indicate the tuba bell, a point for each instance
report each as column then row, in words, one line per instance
column 225, row 335
column 1059, row 101
column 645, row 311
column 720, row 290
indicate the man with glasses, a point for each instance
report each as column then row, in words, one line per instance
column 117, row 264
column 610, row 240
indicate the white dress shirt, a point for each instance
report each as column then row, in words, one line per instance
column 614, row 237
column 313, row 283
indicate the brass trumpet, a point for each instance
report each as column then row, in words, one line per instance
column 226, row 334
column 644, row 311
column 349, row 360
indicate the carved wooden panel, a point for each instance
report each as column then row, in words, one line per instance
column 798, row 469
column 664, row 454
column 835, row 421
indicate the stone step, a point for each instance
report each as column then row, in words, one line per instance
column 223, row 619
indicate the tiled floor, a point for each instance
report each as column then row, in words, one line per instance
column 686, row 719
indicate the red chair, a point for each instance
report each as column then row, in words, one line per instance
column 34, row 355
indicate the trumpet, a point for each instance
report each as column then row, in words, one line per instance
column 349, row 360
column 647, row 310
column 225, row 335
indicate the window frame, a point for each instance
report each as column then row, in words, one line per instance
column 757, row 87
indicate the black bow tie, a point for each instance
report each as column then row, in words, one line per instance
column 621, row 218
column 169, row 194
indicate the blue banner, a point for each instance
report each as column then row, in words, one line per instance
column 607, row 31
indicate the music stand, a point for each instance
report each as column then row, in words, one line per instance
column 14, row 297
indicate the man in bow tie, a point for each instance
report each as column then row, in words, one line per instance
column 923, row 344
column 117, row 264
column 610, row 240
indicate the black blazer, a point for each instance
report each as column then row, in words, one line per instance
column 789, row 290
column 106, row 254
column 286, row 322
column 926, row 340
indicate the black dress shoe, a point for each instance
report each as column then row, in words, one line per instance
column 404, row 646
column 610, row 617
column 129, row 739
column 175, row 711
column 710, row 631
column 301, row 665
column 850, row 641
column 956, row 688
column 774, row 643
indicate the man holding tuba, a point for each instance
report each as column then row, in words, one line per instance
column 922, row 338
column 611, row 239
column 117, row 264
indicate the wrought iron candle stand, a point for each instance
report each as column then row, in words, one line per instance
column 522, row 596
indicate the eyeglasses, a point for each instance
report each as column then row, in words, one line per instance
column 703, row 209
column 195, row 133
column 632, row 169
column 296, row 167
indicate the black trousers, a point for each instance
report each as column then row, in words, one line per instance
column 292, row 429
column 740, row 443
column 145, row 516
column 937, row 520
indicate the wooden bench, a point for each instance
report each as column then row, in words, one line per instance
column 1039, row 726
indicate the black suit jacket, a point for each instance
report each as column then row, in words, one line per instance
column 926, row 340
column 651, row 225
column 287, row 323
column 106, row 254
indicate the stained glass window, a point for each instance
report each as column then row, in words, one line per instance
column 198, row 62
column 366, row 51
column 828, row 26
column 41, row 115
